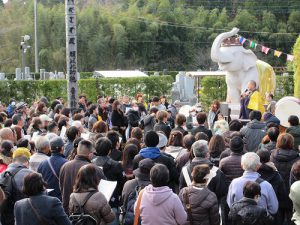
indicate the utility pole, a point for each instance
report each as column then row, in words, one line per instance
column 36, row 45
column 71, row 53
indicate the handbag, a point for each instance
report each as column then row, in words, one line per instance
column 188, row 206
column 41, row 220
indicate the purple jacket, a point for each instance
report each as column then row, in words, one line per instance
column 161, row 206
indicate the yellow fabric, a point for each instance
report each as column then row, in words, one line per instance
column 21, row 152
column 99, row 118
column 267, row 78
column 256, row 102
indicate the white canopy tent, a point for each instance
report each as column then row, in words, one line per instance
column 119, row 73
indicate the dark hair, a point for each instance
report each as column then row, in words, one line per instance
column 72, row 132
column 295, row 171
column 54, row 104
column 151, row 139
column 85, row 147
column 188, row 141
column 129, row 152
column 16, row 118
column 88, row 176
column 115, row 104
column 251, row 189
column 153, row 110
column 155, row 99
column 137, row 133
column 113, row 136
column 285, row 141
column 62, row 122
column 41, row 106
column 255, row 114
column 8, row 123
column 272, row 124
column 273, row 133
column 57, row 108
column 66, row 112
column 180, row 119
column 100, row 127
column 216, row 145
column 51, row 126
column 201, row 117
column 6, row 148
column 201, row 136
column 77, row 116
column 235, row 125
column 103, row 146
column 75, row 145
column 199, row 172
column 293, row 120
column 176, row 138
column 159, row 175
column 23, row 143
column 92, row 108
column 270, row 95
column 33, row 184
column 264, row 155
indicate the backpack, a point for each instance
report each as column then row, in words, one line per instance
column 80, row 217
column 12, row 194
column 129, row 208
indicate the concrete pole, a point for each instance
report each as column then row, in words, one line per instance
column 71, row 53
column 36, row 45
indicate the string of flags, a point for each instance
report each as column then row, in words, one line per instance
column 265, row 49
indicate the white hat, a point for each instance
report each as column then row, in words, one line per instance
column 45, row 117
column 163, row 140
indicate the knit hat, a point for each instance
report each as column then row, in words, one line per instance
column 236, row 144
column 295, row 195
column 56, row 144
column 143, row 171
column 21, row 152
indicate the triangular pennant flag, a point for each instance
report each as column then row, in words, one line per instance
column 277, row 53
column 242, row 40
column 252, row 44
column 290, row 58
column 265, row 49
column 255, row 45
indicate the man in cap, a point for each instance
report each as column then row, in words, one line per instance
column 45, row 121
column 50, row 167
column 18, row 170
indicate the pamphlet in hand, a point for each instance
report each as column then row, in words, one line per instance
column 107, row 188
column 63, row 132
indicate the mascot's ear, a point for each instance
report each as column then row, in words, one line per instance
column 249, row 59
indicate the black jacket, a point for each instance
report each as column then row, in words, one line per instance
column 114, row 172
column 217, row 183
column 162, row 127
column 284, row 160
column 118, row 119
column 181, row 129
column 203, row 129
column 247, row 212
column 133, row 118
column 274, row 178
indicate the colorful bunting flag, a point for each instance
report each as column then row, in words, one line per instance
column 277, row 53
column 265, row 49
column 253, row 44
column 242, row 40
column 290, row 58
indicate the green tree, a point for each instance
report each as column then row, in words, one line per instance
column 297, row 68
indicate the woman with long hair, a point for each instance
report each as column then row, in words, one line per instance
column 86, row 190
column 118, row 119
column 129, row 152
column 175, row 145
column 215, row 147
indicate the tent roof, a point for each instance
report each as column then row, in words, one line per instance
column 120, row 73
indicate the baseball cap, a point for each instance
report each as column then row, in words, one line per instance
column 163, row 140
column 45, row 117
column 143, row 171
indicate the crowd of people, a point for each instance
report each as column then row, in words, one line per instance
column 169, row 168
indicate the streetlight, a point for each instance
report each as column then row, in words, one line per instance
column 24, row 47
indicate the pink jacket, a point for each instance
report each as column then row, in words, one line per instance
column 161, row 206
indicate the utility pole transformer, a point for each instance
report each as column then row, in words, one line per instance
column 71, row 53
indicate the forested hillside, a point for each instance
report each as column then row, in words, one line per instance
column 148, row 34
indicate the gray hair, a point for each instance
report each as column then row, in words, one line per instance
column 41, row 143
column 250, row 161
column 200, row 148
